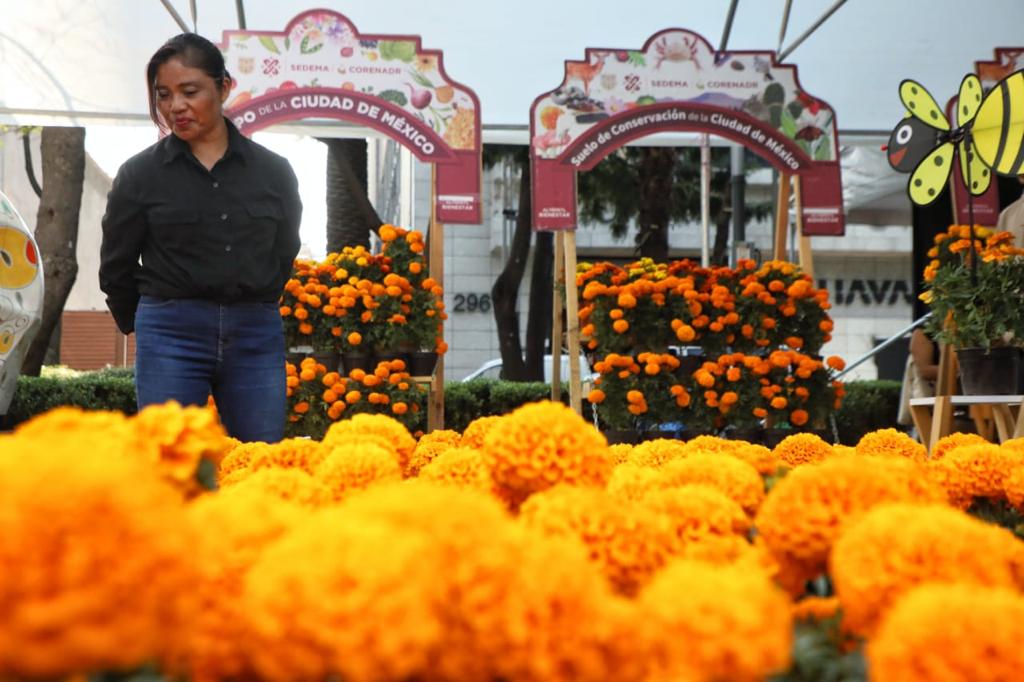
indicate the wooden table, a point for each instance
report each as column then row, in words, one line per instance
column 933, row 417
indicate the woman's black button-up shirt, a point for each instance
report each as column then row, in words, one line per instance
column 228, row 234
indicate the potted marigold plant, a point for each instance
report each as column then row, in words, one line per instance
column 306, row 410
column 975, row 292
column 802, row 393
column 731, row 387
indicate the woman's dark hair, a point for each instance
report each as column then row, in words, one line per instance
column 194, row 51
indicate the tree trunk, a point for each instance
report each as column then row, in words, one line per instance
column 63, row 154
column 655, row 202
column 538, row 317
column 350, row 215
column 505, row 291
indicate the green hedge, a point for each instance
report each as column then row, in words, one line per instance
column 869, row 405
column 109, row 389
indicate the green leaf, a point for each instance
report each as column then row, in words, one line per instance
column 823, row 152
column 421, row 79
column 637, row 59
column 788, row 124
column 287, row 43
column 402, row 50
column 268, row 42
column 395, row 97
column 305, row 48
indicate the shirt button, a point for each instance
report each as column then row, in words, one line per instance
column 228, row 247
column 216, row 185
column 223, row 216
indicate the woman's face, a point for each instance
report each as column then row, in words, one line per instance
column 189, row 101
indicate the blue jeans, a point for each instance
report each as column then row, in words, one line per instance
column 187, row 349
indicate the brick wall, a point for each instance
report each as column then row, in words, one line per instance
column 90, row 340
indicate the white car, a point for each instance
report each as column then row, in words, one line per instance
column 492, row 370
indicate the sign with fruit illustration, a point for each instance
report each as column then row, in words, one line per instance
column 320, row 66
column 21, row 297
column 677, row 82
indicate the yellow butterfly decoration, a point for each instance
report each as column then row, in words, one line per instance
column 924, row 141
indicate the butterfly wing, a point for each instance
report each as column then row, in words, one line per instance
column 930, row 176
column 968, row 101
column 920, row 103
column 998, row 128
column 980, row 174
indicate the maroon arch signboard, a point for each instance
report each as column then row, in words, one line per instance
column 677, row 82
column 321, row 67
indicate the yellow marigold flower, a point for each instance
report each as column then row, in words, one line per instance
column 954, row 440
column 619, row 453
column 96, row 570
column 353, row 466
column 737, row 479
column 757, row 456
column 214, row 643
column 461, row 467
column 896, row 547
column 390, row 432
column 806, row 511
column 473, row 436
column 709, row 444
column 541, row 444
column 655, row 453
column 297, row 453
column 360, row 601
column 427, row 449
column 235, row 465
column 696, row 511
column 971, row 471
column 736, row 624
column 290, row 485
column 628, row 541
column 631, row 482
column 802, row 448
column 891, row 443
column 950, row 632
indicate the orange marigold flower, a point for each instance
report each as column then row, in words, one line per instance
column 386, row 431
column 698, row 603
column 947, row 444
column 958, row 625
column 350, row 467
column 973, row 471
column 620, row 326
column 477, row 430
column 802, row 448
column 806, row 511
column 897, row 547
column 737, row 479
column 629, row 542
column 460, row 467
column 596, row 396
column 891, row 443
column 541, row 444
column 799, row 417
column 655, row 453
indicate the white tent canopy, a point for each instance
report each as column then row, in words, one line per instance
column 82, row 61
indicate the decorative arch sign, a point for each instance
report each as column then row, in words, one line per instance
column 677, row 82
column 320, row 66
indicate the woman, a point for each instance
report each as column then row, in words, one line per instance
column 214, row 218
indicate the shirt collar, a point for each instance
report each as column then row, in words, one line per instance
column 174, row 146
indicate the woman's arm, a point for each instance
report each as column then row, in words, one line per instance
column 124, row 231
column 923, row 351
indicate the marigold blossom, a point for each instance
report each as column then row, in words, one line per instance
column 896, row 547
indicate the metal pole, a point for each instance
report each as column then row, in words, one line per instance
column 785, row 23
column 174, row 15
column 885, row 344
column 728, row 26
column 738, row 199
column 705, row 199
column 240, row 10
column 814, row 27
column 192, row 9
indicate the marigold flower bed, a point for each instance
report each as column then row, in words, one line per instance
column 524, row 548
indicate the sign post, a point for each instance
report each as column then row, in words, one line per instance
column 321, row 67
